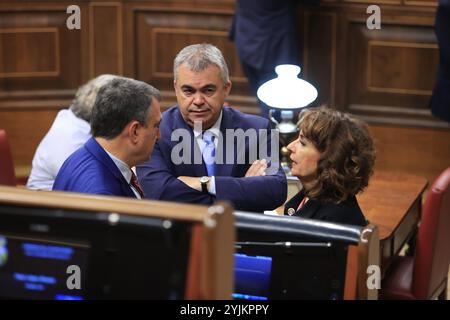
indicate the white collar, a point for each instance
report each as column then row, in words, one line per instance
column 215, row 129
column 123, row 167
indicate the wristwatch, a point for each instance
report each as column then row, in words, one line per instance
column 204, row 182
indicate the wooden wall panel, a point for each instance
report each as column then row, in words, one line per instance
column 392, row 74
column 37, row 52
column 42, row 63
column 25, row 129
column 318, row 36
column 106, row 38
column 401, row 67
column 29, row 52
column 430, row 3
column 160, row 34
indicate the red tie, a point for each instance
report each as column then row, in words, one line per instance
column 135, row 183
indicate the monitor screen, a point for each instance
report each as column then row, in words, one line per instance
column 135, row 257
column 290, row 270
column 32, row 268
column 252, row 276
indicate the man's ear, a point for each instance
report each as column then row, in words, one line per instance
column 132, row 130
column 228, row 87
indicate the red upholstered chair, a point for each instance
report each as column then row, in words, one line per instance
column 7, row 174
column 424, row 276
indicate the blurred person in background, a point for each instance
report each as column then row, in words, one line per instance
column 69, row 131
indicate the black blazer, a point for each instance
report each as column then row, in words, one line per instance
column 346, row 212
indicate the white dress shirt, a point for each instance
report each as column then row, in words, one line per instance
column 67, row 134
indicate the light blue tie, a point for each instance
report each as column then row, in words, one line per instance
column 209, row 152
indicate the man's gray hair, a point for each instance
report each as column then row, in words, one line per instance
column 85, row 97
column 198, row 57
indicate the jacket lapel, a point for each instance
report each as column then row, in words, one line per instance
column 196, row 159
column 293, row 203
column 224, row 168
column 309, row 209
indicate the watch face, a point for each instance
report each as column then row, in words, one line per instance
column 204, row 179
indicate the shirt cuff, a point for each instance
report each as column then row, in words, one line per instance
column 212, row 186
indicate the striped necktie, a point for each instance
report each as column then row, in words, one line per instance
column 136, row 185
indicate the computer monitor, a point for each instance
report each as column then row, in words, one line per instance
column 35, row 268
column 290, row 258
column 42, row 250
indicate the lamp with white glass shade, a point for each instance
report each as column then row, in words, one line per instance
column 286, row 93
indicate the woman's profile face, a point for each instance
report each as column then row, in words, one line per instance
column 305, row 157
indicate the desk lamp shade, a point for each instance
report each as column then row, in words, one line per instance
column 287, row 91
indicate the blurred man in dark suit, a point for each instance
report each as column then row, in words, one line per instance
column 265, row 33
column 440, row 100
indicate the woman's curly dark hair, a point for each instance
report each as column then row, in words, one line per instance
column 347, row 153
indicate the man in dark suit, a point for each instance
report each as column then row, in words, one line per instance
column 125, row 126
column 440, row 100
column 264, row 32
column 197, row 159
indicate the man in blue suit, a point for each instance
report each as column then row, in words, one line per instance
column 125, row 126
column 197, row 159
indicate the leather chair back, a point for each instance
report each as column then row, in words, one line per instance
column 432, row 256
column 7, row 174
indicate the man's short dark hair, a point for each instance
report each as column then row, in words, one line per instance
column 119, row 102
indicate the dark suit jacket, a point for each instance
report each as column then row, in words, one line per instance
column 265, row 32
column 440, row 100
column 91, row 170
column 346, row 212
column 158, row 176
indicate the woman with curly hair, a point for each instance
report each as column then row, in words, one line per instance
column 333, row 158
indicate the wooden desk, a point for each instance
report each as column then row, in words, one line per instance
column 393, row 202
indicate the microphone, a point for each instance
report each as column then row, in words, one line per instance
column 290, row 211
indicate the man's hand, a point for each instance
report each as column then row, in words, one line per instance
column 257, row 169
column 193, row 182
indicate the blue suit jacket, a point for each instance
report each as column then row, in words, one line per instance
column 91, row 170
column 158, row 176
